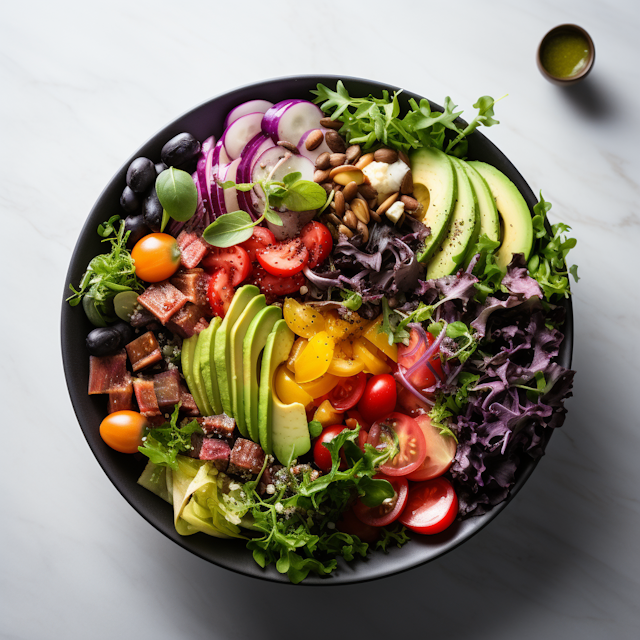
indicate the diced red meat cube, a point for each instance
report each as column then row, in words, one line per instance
column 221, row 425
column 162, row 300
column 121, row 399
column 246, row 458
column 192, row 249
column 185, row 238
column 141, row 318
column 187, row 321
column 192, row 283
column 216, row 450
column 155, row 421
column 146, row 397
column 188, row 405
column 167, row 388
column 196, row 446
column 144, row 351
column 108, row 373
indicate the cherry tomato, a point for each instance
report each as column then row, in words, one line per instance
column 441, row 450
column 432, row 506
column 347, row 393
column 379, row 397
column 234, row 259
column 122, row 430
column 348, row 523
column 274, row 286
column 284, row 258
column 317, row 238
column 413, row 448
column 387, row 512
column 157, row 257
column 260, row 239
column 321, row 455
column 357, row 416
column 422, row 377
column 220, row 292
column 411, row 405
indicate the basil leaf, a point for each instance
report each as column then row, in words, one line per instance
column 177, row 193
column 304, row 195
column 376, row 491
column 229, row 229
column 165, row 220
column 273, row 217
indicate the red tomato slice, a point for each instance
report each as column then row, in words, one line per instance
column 379, row 397
column 422, row 377
column 411, row 405
column 273, row 286
column 387, row 512
column 347, row 393
column 431, row 508
column 321, row 455
column 234, row 259
column 317, row 238
column 260, row 239
column 441, row 450
column 284, row 258
column 348, row 523
column 220, row 292
column 413, row 448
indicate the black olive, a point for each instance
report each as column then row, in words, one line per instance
column 104, row 341
column 127, row 334
column 138, row 228
column 141, row 174
column 129, row 200
column 180, row 149
column 152, row 211
column 160, row 167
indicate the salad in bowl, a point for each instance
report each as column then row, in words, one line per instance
column 325, row 329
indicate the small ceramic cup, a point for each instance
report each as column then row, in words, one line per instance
column 566, row 80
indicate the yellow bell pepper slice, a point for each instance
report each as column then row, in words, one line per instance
column 344, row 368
column 380, row 340
column 296, row 350
column 326, row 415
column 288, row 390
column 315, row 358
column 372, row 362
column 322, row 385
column 302, row 319
column 342, row 327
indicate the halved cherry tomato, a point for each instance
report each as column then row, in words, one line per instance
column 220, row 292
column 356, row 415
column 387, row 512
column 363, row 434
column 423, row 376
column 347, row 393
column 235, row 259
column 122, row 430
column 413, row 448
column 284, row 258
column 379, row 397
column 348, row 523
column 317, row 238
column 260, row 239
column 411, row 405
column 441, row 450
column 273, row 286
column 432, row 506
column 321, row 455
column 156, row 256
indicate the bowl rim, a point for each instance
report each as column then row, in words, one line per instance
column 566, row 80
column 155, row 513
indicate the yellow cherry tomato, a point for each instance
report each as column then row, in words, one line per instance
column 314, row 360
column 122, row 430
column 156, row 256
column 380, row 339
column 288, row 390
column 368, row 354
column 326, row 415
column 296, row 350
column 302, row 319
column 322, row 385
column 341, row 327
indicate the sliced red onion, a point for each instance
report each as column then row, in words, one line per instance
column 321, row 148
column 401, row 378
column 431, row 350
column 253, row 106
column 254, row 148
column 289, row 119
column 240, row 132
column 203, row 169
column 230, row 196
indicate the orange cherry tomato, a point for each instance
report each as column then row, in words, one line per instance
column 122, row 430
column 157, row 257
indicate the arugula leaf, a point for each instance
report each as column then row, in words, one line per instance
column 485, row 114
column 439, row 416
column 396, row 534
column 351, row 299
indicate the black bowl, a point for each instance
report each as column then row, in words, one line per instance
column 123, row 470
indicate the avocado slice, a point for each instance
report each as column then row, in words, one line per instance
column 515, row 217
column 222, row 341
column 289, row 430
column 208, row 375
column 238, row 334
column 435, row 187
column 187, row 358
column 463, row 229
column 198, row 357
column 489, row 218
column 276, row 351
column 254, row 341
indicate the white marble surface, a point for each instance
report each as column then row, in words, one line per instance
column 84, row 84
